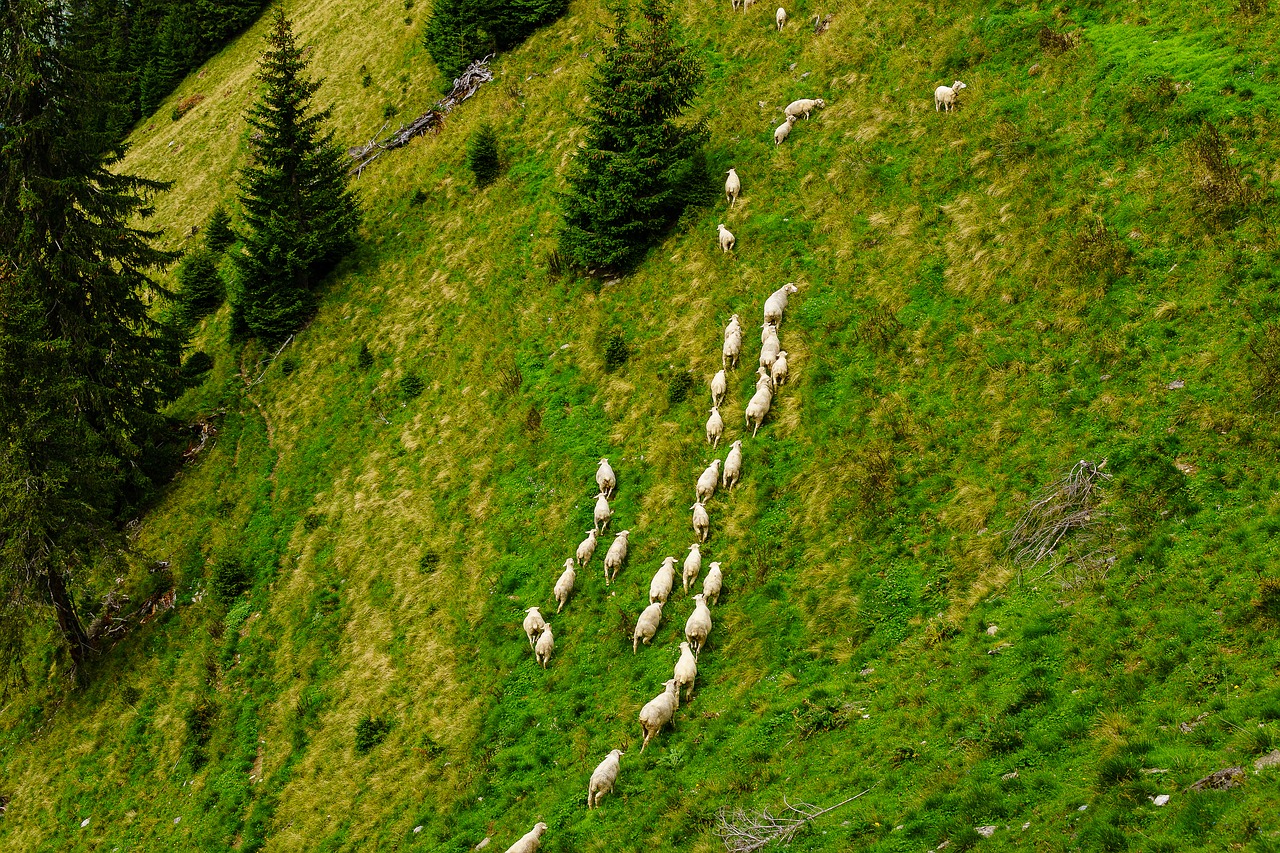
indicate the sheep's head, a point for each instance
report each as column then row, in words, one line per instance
column 539, row 828
column 715, row 464
column 695, row 546
column 957, row 86
column 782, row 354
column 624, row 534
column 737, row 445
column 603, row 462
column 819, row 103
column 699, row 598
column 568, row 564
column 790, row 287
column 533, row 610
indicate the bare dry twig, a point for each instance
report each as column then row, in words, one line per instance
column 1068, row 504
column 743, row 832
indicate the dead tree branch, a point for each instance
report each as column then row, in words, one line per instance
column 743, row 832
column 1066, row 505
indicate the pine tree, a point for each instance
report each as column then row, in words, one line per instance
column 482, row 155
column 460, row 31
column 638, row 169
column 84, row 363
column 200, row 287
column 217, row 233
column 300, row 217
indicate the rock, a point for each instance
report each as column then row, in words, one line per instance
column 1033, row 70
column 1026, row 826
column 1187, row 727
column 1221, row 780
column 992, row 630
column 866, row 671
column 84, row 823
column 483, row 844
column 1160, row 800
column 999, row 647
column 985, row 831
column 177, row 820
column 1176, row 384
column 1010, row 775
column 1083, row 808
column 417, row 829
column 1271, row 759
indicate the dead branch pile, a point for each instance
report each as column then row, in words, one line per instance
column 1068, row 504
column 475, row 75
column 743, row 832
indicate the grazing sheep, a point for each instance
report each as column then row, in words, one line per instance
column 732, row 187
column 546, row 644
column 616, row 554
column 531, row 840
column 719, row 387
column 735, row 326
column 692, row 565
column 764, row 379
column 564, row 586
column 533, row 625
column 779, row 369
column 777, row 303
column 686, row 671
column 715, row 427
column 646, row 625
column 726, row 238
column 769, row 352
column 659, row 711
column 944, row 97
column 698, row 627
column 758, row 408
column 701, row 521
column 707, row 481
column 602, row 779
column 606, row 480
column 732, row 347
column 602, row 512
column 663, row 580
column 711, row 585
column 586, row 548
column 782, row 131
column 781, row 18
column 804, row 106
column 732, row 466
column 744, row 4
column 768, row 330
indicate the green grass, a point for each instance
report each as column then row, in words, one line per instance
column 986, row 297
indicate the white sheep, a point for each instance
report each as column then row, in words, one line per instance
column 530, row 841
column 614, row 557
column 712, row 583
column 698, row 628
column 701, row 521
column 686, row 671
column 602, row 512
column 779, row 370
column 732, row 187
column 782, row 131
column 735, row 325
column 745, row 4
column 777, row 303
column 944, row 97
column 719, row 387
column 707, row 481
column 646, row 625
column 663, row 580
column 732, row 347
column 546, row 645
column 764, row 379
column 732, row 466
column 606, row 480
column 804, row 106
column 768, row 330
column 692, row 565
column 659, row 711
column 726, row 238
column 603, row 778
column 586, row 548
column 564, row 586
column 715, row 427
column 769, row 352
column 758, row 408
column 781, row 17
column 533, row 625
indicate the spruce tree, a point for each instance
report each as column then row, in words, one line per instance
column 217, row 233
column 200, row 287
column 460, row 31
column 300, row 217
column 482, row 155
column 638, row 168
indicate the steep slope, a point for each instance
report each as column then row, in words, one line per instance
column 1059, row 270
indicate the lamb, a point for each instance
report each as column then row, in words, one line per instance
column 707, row 482
column 719, row 387
column 711, row 585
column 779, row 369
column 732, row 187
column 686, row 671
column 732, row 347
column 782, row 131
column 944, row 97
column 646, row 625
column 603, row 777
column 564, row 586
column 602, row 512
column 777, row 303
column 533, row 625
column 586, row 548
column 757, row 408
column 698, row 627
column 546, row 644
column 692, row 565
column 663, row 580
column 616, row 554
column 606, row 480
column 531, row 840
column 726, row 238
column 804, row 106
column 659, row 711
column 781, row 18
column 769, row 352
column 715, row 427
column 732, row 466
column 701, row 521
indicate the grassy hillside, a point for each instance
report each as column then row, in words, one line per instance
column 1071, row 266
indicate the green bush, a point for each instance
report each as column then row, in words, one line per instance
column 678, row 387
column 616, row 352
column 482, row 155
column 370, row 731
column 411, row 386
column 229, row 578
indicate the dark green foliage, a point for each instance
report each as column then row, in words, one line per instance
column 410, row 386
column 364, row 358
column 1267, row 602
column 639, row 169
column 228, row 579
column 370, row 731
column 460, row 31
column 199, row 720
column 201, row 290
column 300, row 217
column 1220, row 187
column 217, row 232
column 616, row 352
column 678, row 387
column 197, row 365
column 482, row 155
column 289, row 365
column 418, row 198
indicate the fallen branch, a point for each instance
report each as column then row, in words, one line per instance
column 1068, row 504
column 743, row 832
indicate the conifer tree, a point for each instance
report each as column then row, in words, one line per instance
column 460, row 31
column 638, row 168
column 300, row 217
column 218, row 234
column 200, row 286
column 482, row 155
